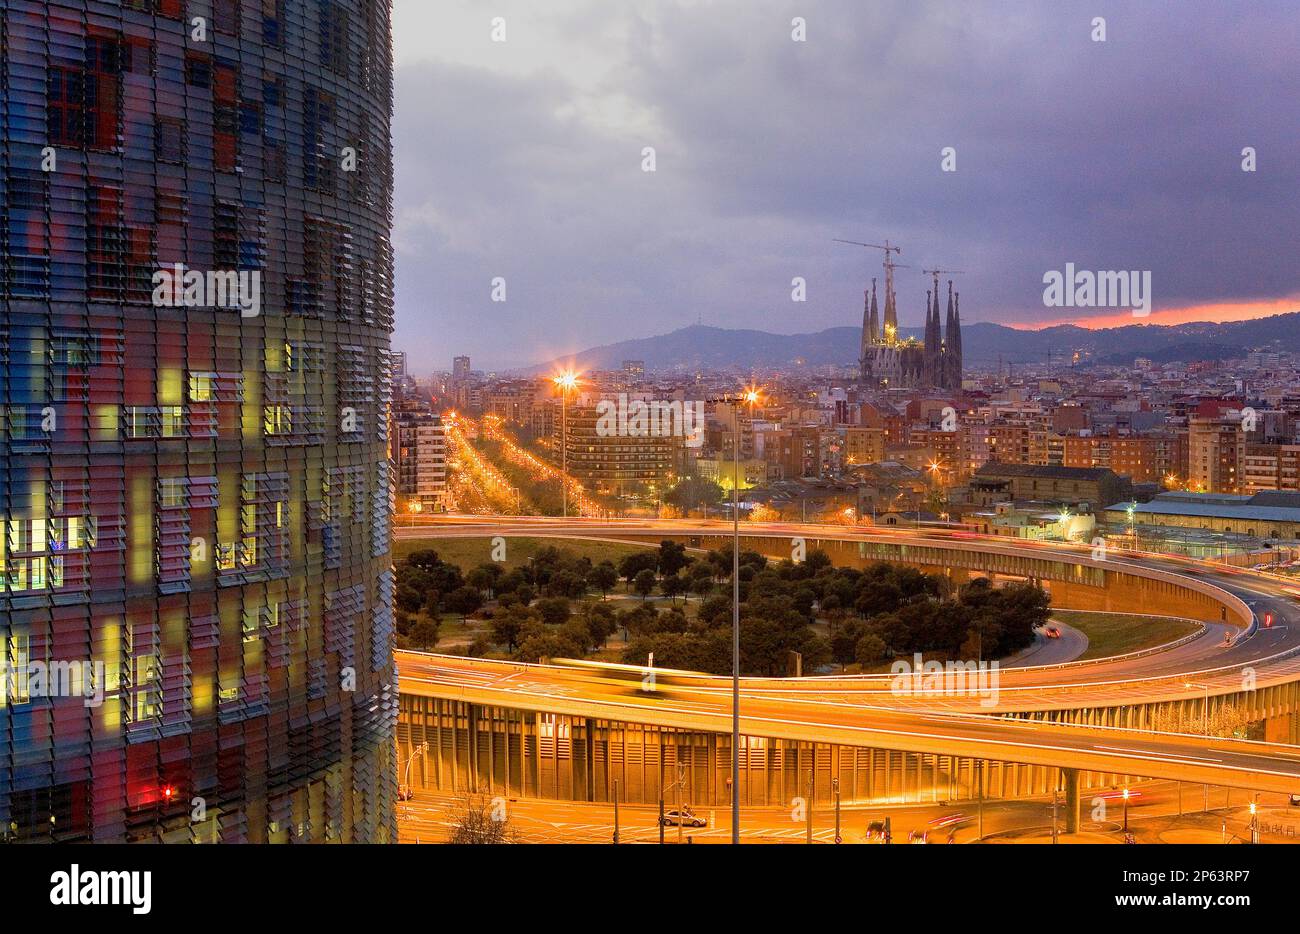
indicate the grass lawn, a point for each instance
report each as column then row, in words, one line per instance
column 469, row 553
column 1117, row 633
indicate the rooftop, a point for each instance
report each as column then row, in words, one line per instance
column 1266, row 506
column 1046, row 472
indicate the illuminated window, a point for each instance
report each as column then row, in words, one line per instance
column 15, row 686
column 202, row 386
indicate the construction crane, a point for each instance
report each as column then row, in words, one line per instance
column 890, row 265
column 888, row 247
column 936, row 273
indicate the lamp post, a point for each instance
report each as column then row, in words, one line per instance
column 1205, row 710
column 835, row 789
column 750, row 397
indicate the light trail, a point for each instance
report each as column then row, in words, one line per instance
column 476, row 483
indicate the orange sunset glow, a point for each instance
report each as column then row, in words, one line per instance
column 1215, row 312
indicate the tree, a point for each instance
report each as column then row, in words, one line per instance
column 567, row 583
column 672, row 557
column 554, row 611
column 480, row 819
column 635, row 563
column 816, row 560
column 644, row 582
column 870, row 650
column 485, row 577
column 575, row 632
column 672, row 585
column 599, row 618
column 715, row 610
column 875, row 597
column 463, row 601
column 507, row 626
column 694, row 493
column 844, row 643
column 511, row 581
column 545, row 644
column 689, row 651
column 701, row 577
column 426, row 559
column 603, row 577
column 408, row 599
column 424, row 634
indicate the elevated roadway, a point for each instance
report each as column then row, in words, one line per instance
column 1021, row 721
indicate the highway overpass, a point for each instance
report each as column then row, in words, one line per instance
column 565, row 732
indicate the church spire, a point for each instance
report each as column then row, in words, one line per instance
column 870, row 333
column 952, row 339
column 932, row 360
column 891, row 311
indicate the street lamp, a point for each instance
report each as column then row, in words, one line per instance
column 564, row 382
column 1125, row 810
column 1205, row 715
column 751, row 396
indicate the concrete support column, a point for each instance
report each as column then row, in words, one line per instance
column 1071, row 800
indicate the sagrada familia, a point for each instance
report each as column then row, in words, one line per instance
column 891, row 362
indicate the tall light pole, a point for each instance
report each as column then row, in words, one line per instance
column 564, row 381
column 735, row 623
column 1205, row 710
column 750, row 397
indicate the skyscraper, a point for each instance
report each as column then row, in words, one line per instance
column 196, row 290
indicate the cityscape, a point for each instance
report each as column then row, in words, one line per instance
column 434, row 425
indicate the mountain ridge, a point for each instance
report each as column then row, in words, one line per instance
column 703, row 347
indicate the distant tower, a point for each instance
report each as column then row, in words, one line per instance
column 952, row 341
column 932, row 367
column 874, row 320
column 870, row 335
column 891, row 309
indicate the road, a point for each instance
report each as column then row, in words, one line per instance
column 1158, row 813
column 874, row 711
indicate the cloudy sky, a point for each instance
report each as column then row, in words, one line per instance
column 523, row 160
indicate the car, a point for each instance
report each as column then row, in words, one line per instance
column 1295, row 801
column 918, row 836
column 685, row 818
column 949, row 820
column 1119, row 795
column 1052, row 632
column 405, row 793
